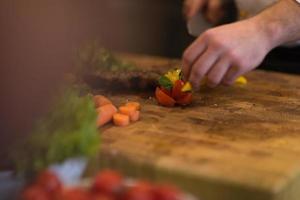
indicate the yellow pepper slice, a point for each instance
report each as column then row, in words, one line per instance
column 173, row 75
column 187, row 87
column 241, row 80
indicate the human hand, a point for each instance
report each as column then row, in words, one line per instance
column 222, row 54
column 212, row 9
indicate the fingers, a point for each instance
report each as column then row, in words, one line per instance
column 214, row 11
column 217, row 72
column 202, row 66
column 191, row 54
column 192, row 7
column 232, row 74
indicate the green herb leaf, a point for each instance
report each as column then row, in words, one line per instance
column 68, row 130
column 165, row 82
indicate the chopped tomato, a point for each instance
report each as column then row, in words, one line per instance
column 166, row 91
column 35, row 192
column 141, row 191
column 101, row 197
column 75, row 194
column 167, row 192
column 186, row 99
column 50, row 183
column 107, row 183
column 176, row 90
column 163, row 98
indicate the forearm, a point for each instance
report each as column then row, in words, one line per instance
column 280, row 23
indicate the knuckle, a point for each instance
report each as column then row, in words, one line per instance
column 235, row 59
column 209, row 34
column 187, row 57
column 212, row 80
column 199, row 72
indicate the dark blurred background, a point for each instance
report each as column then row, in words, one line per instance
column 39, row 37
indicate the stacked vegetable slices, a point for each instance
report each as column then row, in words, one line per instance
column 173, row 90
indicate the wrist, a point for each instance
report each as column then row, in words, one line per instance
column 277, row 24
column 269, row 30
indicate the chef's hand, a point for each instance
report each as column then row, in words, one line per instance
column 222, row 54
column 212, row 9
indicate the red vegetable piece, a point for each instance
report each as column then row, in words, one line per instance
column 167, row 192
column 75, row 194
column 141, row 191
column 176, row 90
column 166, row 91
column 50, row 183
column 108, row 183
column 163, row 98
column 35, row 192
column 186, row 99
column 101, row 197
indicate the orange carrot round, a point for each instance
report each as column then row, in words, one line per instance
column 127, row 110
column 135, row 116
column 105, row 114
column 101, row 100
column 135, row 104
column 121, row 119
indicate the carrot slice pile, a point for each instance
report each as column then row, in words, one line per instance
column 135, row 104
column 127, row 110
column 121, row 119
column 136, row 116
column 101, row 100
column 107, row 112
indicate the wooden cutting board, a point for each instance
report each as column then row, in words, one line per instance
column 232, row 143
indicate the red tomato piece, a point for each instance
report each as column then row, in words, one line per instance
column 75, row 194
column 141, row 191
column 167, row 192
column 100, row 197
column 50, row 183
column 163, row 98
column 166, row 91
column 35, row 192
column 176, row 90
column 186, row 99
column 108, row 183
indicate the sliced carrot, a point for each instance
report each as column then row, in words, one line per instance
column 106, row 113
column 101, row 100
column 121, row 119
column 135, row 104
column 135, row 116
column 127, row 110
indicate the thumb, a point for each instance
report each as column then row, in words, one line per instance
column 192, row 7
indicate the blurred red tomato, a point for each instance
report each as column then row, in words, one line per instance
column 107, row 182
column 35, row 192
column 50, row 183
column 141, row 191
column 100, row 197
column 167, row 192
column 75, row 194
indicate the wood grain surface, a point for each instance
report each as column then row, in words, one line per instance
column 232, row 143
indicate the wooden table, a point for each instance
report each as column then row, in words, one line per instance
column 232, row 143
